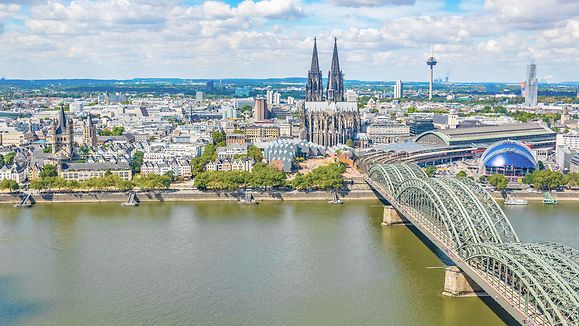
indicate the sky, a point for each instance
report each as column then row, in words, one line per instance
column 473, row 40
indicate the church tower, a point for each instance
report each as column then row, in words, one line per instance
column 61, row 136
column 335, row 78
column 89, row 135
column 314, row 88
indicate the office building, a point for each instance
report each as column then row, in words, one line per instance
column 261, row 110
column 421, row 125
column 398, row 93
column 269, row 97
column 531, row 86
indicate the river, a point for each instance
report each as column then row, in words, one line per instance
column 292, row 263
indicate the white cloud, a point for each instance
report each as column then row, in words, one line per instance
column 372, row 3
column 132, row 38
column 533, row 13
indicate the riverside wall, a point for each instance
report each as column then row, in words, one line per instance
column 357, row 190
column 187, row 195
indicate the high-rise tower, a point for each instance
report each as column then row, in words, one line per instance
column 335, row 78
column 531, row 86
column 398, row 92
column 314, row 88
column 431, row 63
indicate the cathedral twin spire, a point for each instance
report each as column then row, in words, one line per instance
column 314, row 87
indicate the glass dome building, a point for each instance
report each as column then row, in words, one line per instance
column 508, row 157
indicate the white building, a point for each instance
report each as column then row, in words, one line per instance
column 567, row 146
column 351, row 96
column 13, row 172
column 269, row 96
column 385, row 131
column 232, row 150
column 398, row 92
column 76, row 107
column 199, row 97
column 241, row 164
column 570, row 140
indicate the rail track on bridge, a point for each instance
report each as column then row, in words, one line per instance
column 537, row 283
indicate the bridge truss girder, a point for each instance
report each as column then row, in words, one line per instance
column 537, row 278
column 541, row 280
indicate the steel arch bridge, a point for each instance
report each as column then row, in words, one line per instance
column 538, row 281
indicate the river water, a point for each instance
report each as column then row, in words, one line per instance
column 307, row 263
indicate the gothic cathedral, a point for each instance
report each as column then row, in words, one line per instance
column 328, row 120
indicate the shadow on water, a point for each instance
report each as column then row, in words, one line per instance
column 13, row 308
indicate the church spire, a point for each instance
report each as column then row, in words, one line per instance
column 62, row 117
column 314, row 87
column 315, row 62
column 335, row 60
column 335, row 78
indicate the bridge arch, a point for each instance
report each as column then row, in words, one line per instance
column 539, row 279
column 464, row 217
column 430, row 204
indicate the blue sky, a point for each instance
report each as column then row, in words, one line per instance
column 473, row 40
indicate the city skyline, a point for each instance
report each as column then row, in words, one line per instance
column 379, row 40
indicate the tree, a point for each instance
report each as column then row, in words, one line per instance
column 48, row 170
column 137, row 161
column 499, row 181
column 528, row 179
column 572, row 180
column 430, row 170
column 255, row 153
column 218, row 138
column 47, row 149
column 116, row 131
column 202, row 181
column 301, row 182
column 9, row 158
column 350, row 143
column 266, row 176
column 545, row 179
column 540, row 165
column 461, row 174
column 198, row 163
column 153, row 181
column 327, row 177
column 9, row 185
column 1, row 160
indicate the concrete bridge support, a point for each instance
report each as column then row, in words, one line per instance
column 458, row 284
column 391, row 216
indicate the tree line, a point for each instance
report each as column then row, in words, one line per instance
column 547, row 180
column 262, row 176
column 328, row 177
column 49, row 179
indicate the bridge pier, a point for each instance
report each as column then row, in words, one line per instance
column 458, row 284
column 391, row 216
